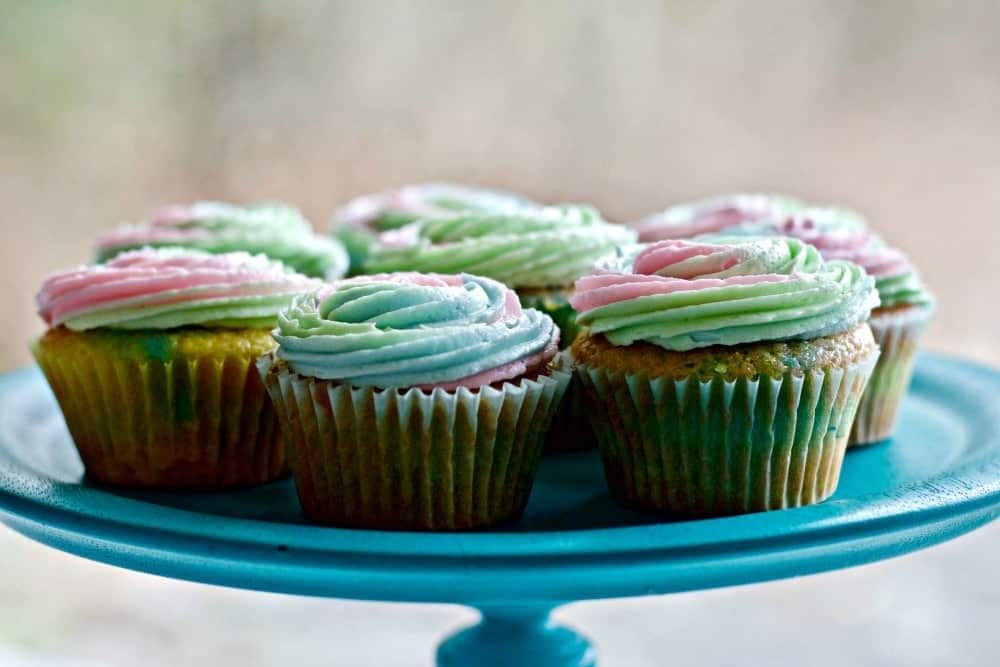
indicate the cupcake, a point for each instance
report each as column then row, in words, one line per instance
column 537, row 251
column 151, row 359
column 724, row 378
column 898, row 322
column 414, row 401
column 276, row 230
column 362, row 219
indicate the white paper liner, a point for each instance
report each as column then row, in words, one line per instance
column 722, row 447
column 898, row 334
column 411, row 459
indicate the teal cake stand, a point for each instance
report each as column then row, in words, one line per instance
column 939, row 478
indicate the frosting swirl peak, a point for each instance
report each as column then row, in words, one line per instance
column 683, row 295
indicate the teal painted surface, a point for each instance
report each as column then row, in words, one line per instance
column 939, row 478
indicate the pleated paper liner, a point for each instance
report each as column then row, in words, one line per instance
column 898, row 334
column 411, row 459
column 718, row 447
column 179, row 409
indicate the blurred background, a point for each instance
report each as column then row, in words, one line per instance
column 109, row 110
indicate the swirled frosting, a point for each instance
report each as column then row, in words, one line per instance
column 394, row 208
column 167, row 288
column 414, row 330
column 683, row 295
column 536, row 247
column 842, row 234
column 276, row 230
column 711, row 215
column 838, row 233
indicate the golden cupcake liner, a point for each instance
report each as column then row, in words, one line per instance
column 176, row 421
column 721, row 447
column 412, row 459
column 898, row 334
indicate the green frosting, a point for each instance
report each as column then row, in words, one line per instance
column 241, row 312
column 906, row 289
column 731, row 299
column 276, row 230
column 410, row 330
column 541, row 247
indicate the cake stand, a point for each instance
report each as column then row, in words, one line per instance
column 938, row 479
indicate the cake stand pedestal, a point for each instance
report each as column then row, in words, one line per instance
column 938, row 479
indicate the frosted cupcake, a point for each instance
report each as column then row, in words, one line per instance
column 151, row 358
column 276, row 230
column 537, row 251
column 724, row 378
column 362, row 219
column 906, row 304
column 413, row 401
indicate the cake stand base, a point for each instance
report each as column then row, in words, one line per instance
column 522, row 635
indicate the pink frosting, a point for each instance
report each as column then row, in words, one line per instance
column 803, row 227
column 857, row 245
column 158, row 278
column 508, row 371
column 704, row 218
column 605, row 287
column 406, row 236
column 659, row 256
column 162, row 229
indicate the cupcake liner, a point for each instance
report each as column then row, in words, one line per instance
column 898, row 334
column 179, row 422
column 722, row 447
column 571, row 430
column 411, row 459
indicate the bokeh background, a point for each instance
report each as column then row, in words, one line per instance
column 109, row 110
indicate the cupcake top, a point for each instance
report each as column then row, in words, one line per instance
column 359, row 222
column 530, row 247
column 276, row 230
column 414, row 330
column 838, row 233
column 394, row 208
column 166, row 288
column 711, row 215
column 682, row 295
